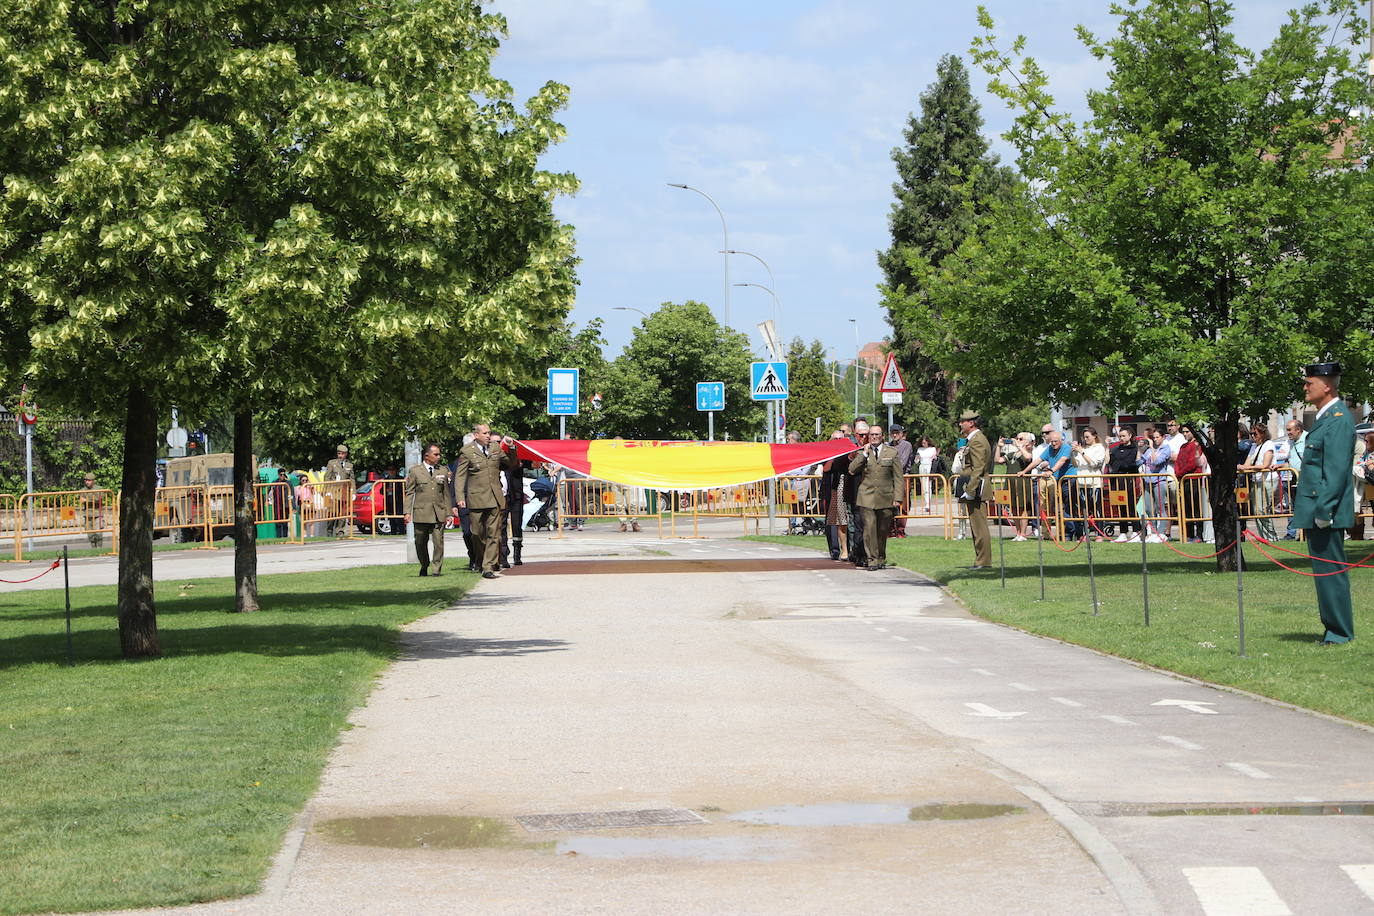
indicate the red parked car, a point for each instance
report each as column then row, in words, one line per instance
column 370, row 504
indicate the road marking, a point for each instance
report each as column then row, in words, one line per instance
column 900, row 638
column 987, row 712
column 881, row 629
column 1020, row 686
column 850, row 607
column 1067, row 702
column 1193, row 705
column 1119, row 720
column 1247, row 770
column 952, row 661
column 1181, row 742
column 1363, row 876
column 983, row 671
column 920, row 648
column 1235, row 892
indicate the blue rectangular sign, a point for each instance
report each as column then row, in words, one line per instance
column 768, row 381
column 710, row 395
column 565, row 389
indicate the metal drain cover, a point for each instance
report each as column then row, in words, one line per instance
column 600, row 820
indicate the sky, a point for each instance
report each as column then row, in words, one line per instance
column 785, row 114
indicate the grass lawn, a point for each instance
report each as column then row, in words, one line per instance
column 1193, row 613
column 172, row 781
column 44, row 552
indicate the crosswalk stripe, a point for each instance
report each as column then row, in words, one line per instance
column 1226, row 891
column 1248, row 770
column 1363, row 876
column 1181, row 742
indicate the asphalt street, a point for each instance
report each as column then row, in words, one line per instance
column 839, row 742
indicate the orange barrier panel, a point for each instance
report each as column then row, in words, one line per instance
column 65, row 513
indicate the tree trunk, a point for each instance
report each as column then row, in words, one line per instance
column 245, row 516
column 1223, row 455
column 137, row 613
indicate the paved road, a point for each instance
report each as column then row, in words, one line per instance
column 805, row 713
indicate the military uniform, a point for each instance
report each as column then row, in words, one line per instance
column 477, row 483
column 977, row 465
column 1323, row 493
column 880, row 492
column 340, row 469
column 92, row 499
column 429, row 504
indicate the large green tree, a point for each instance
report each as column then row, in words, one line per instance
column 811, row 391
column 1189, row 246
column 946, row 181
column 650, row 389
column 226, row 205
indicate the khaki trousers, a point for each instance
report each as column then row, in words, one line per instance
column 486, row 534
column 429, row 535
column 978, row 526
column 877, row 526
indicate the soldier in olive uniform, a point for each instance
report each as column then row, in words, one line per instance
column 340, row 469
column 428, row 506
column 93, row 510
column 1322, row 504
column 977, row 465
column 880, row 493
column 477, row 484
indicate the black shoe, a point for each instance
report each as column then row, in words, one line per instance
column 473, row 567
column 505, row 566
column 489, row 575
column 424, row 572
column 519, row 562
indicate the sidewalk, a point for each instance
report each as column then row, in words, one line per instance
column 582, row 686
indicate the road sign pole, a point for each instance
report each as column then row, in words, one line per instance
column 772, row 481
column 562, row 427
column 710, row 426
column 889, row 419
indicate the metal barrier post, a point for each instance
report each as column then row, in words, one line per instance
column 67, row 588
column 1001, row 552
column 1040, row 549
column 1144, row 568
column 1240, row 585
column 1092, row 570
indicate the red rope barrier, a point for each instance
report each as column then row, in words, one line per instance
column 1361, row 563
column 1055, row 540
column 1165, row 541
column 55, row 564
column 1282, row 565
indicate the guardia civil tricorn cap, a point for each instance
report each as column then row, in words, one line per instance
column 1322, row 370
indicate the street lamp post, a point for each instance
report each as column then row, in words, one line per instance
column 855, row 323
column 629, row 308
column 772, row 285
column 725, row 230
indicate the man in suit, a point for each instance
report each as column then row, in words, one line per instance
column 478, row 486
column 340, row 469
column 977, row 465
column 857, row 554
column 878, row 467
column 1322, row 505
column 428, row 506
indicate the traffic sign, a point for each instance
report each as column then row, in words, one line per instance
column 892, row 379
column 177, row 437
column 768, row 381
column 892, row 397
column 710, row 395
column 564, row 392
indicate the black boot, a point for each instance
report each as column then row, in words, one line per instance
column 517, row 545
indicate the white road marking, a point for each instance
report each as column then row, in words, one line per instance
column 1020, row 686
column 1235, row 892
column 985, row 711
column 1181, row 742
column 1194, row 705
column 1119, row 720
column 983, row 671
column 881, row 629
column 1363, row 876
column 1247, row 770
column 1067, row 702
column 900, row 638
column 952, row 661
column 920, row 648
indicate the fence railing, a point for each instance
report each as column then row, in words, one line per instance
column 65, row 513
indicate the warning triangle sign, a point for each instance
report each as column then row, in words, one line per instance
column 892, row 376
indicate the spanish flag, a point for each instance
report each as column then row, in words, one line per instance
column 667, row 465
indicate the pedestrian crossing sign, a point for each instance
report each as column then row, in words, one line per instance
column 768, row 381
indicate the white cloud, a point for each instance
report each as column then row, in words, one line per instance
column 584, row 31
column 835, row 23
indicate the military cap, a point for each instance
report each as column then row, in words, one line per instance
column 1322, row 370
column 970, row 415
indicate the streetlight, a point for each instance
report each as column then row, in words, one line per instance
column 772, row 285
column 629, row 308
column 777, row 313
column 855, row 322
column 726, row 231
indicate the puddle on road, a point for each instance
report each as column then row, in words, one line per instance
column 864, row 814
column 701, row 849
column 1288, row 810
column 430, row 831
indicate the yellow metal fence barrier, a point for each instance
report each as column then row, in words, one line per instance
column 327, row 508
column 65, row 513
column 580, row 498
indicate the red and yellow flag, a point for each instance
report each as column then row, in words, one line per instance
column 666, row 465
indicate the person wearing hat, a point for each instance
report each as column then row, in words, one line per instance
column 906, row 456
column 340, row 503
column 1322, row 506
column 92, row 510
column 977, row 465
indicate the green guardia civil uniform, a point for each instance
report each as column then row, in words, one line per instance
column 477, row 483
column 880, row 491
column 1324, row 492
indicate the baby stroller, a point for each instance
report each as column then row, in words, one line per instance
column 542, row 517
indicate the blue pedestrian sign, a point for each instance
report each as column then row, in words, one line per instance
column 710, row 395
column 768, row 381
column 564, row 393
